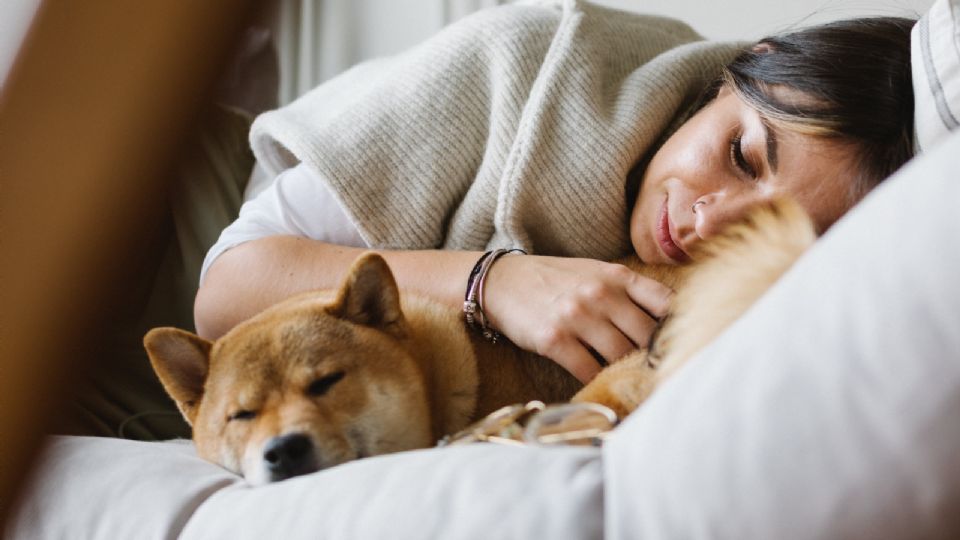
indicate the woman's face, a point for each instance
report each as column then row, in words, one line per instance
column 721, row 162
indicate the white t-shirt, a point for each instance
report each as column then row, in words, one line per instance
column 297, row 203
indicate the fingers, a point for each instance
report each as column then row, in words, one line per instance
column 583, row 365
column 606, row 338
column 580, row 334
column 636, row 326
column 571, row 354
column 618, row 314
column 562, row 308
column 652, row 296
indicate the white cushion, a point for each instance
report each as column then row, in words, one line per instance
column 100, row 488
column 481, row 492
column 935, row 59
column 830, row 410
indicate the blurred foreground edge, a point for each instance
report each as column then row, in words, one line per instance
column 91, row 119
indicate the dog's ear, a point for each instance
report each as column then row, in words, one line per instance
column 369, row 296
column 181, row 360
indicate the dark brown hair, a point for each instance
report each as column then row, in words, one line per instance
column 854, row 84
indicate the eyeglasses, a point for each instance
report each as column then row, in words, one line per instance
column 533, row 423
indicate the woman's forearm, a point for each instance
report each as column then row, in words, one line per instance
column 564, row 308
column 250, row 277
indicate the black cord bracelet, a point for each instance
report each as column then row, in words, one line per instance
column 473, row 298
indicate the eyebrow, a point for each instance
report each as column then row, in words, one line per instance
column 771, row 136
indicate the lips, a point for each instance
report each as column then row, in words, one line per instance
column 665, row 239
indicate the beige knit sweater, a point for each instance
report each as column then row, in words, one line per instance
column 515, row 127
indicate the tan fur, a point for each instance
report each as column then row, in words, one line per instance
column 731, row 272
column 413, row 372
column 411, row 376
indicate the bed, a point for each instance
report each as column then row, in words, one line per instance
column 827, row 415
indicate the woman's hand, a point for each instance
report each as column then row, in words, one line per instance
column 563, row 307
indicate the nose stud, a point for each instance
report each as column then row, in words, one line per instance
column 694, row 207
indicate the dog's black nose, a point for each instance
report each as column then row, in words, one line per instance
column 289, row 455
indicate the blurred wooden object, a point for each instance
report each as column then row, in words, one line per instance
column 90, row 120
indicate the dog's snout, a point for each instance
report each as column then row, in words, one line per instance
column 289, row 455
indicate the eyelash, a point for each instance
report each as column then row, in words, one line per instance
column 736, row 157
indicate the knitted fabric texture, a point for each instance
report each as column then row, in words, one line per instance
column 514, row 127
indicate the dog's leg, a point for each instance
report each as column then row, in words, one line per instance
column 622, row 386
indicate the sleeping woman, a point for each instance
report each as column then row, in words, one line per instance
column 577, row 134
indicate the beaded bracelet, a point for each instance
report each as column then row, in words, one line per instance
column 473, row 299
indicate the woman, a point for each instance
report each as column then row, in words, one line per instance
column 821, row 115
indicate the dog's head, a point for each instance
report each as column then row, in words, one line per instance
column 312, row 382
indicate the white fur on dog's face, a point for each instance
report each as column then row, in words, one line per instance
column 383, row 427
column 316, row 380
column 271, row 383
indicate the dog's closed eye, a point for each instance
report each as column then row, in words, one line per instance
column 242, row 415
column 323, row 385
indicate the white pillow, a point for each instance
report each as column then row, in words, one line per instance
column 99, row 488
column 830, row 410
column 480, row 491
column 104, row 488
column 935, row 59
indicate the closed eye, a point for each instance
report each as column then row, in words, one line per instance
column 737, row 158
column 242, row 415
column 323, row 385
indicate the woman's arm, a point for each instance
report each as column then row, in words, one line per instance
column 557, row 307
column 254, row 275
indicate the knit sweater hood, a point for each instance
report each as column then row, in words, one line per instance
column 514, row 127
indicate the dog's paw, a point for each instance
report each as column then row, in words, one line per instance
column 622, row 386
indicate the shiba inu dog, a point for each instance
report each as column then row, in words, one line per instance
column 331, row 376
column 327, row 377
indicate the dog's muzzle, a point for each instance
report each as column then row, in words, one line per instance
column 289, row 455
